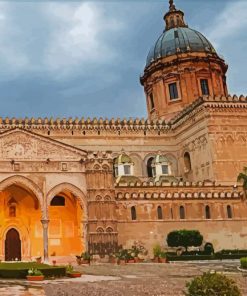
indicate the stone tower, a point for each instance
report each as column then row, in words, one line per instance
column 181, row 66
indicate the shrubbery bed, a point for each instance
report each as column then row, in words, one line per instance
column 20, row 269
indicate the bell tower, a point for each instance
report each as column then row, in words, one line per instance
column 181, row 67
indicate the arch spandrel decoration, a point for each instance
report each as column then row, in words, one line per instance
column 78, row 193
column 25, row 183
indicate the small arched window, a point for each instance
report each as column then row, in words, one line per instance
column 229, row 212
column 149, row 167
column 58, row 201
column 187, row 162
column 133, row 213
column 207, row 212
column 159, row 213
column 181, row 212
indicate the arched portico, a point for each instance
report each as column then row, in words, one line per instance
column 25, row 183
column 21, row 210
column 69, row 218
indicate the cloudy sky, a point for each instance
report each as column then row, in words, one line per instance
column 84, row 58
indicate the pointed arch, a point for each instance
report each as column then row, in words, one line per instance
column 78, row 193
column 24, row 183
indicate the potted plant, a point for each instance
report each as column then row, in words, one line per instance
column 162, row 257
column 38, row 259
column 79, row 259
column 157, row 251
column 71, row 272
column 122, row 256
column 85, row 258
column 112, row 258
column 138, row 250
column 35, row 275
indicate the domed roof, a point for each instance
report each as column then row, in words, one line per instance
column 123, row 158
column 179, row 40
column 160, row 159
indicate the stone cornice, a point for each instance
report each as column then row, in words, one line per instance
column 184, row 192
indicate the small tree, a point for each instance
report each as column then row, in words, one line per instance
column 184, row 238
column 212, row 284
column 242, row 177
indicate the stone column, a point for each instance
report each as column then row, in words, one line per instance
column 45, row 239
column 84, row 224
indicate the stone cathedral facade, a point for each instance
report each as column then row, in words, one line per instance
column 68, row 185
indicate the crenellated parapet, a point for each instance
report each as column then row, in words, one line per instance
column 209, row 102
column 83, row 124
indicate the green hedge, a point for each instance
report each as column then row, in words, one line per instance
column 203, row 257
column 20, row 270
column 190, row 257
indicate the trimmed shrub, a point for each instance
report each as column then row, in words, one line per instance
column 243, row 262
column 212, row 284
column 184, row 238
column 208, row 249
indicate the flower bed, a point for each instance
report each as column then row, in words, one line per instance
column 20, row 269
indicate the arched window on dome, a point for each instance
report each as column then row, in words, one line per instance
column 204, row 87
column 58, row 201
column 181, row 212
column 207, row 212
column 187, row 162
column 151, row 101
column 159, row 213
column 150, row 170
column 133, row 213
column 229, row 212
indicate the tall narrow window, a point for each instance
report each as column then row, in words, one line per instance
column 133, row 213
column 171, row 213
column 151, row 99
column 181, row 212
column 173, row 90
column 187, row 162
column 204, row 87
column 229, row 212
column 207, row 212
column 149, row 167
column 159, row 213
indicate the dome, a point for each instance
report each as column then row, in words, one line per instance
column 179, row 40
column 122, row 159
column 160, row 159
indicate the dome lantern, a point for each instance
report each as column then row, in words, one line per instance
column 174, row 18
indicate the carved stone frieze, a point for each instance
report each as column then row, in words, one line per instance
column 23, row 145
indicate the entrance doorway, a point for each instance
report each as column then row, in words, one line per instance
column 12, row 245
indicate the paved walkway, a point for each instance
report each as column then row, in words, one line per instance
column 129, row 280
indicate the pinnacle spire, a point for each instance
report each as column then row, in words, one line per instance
column 174, row 18
column 172, row 5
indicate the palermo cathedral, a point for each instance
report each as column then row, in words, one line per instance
column 70, row 185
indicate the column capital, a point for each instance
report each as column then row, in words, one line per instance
column 45, row 221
